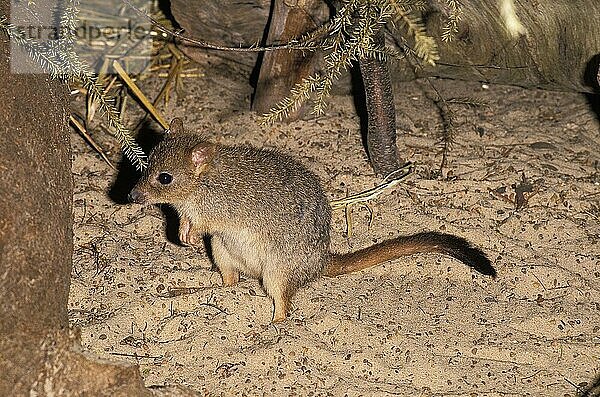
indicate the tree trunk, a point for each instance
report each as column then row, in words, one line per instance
column 281, row 70
column 38, row 356
column 381, row 114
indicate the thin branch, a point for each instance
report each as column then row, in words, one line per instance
column 291, row 45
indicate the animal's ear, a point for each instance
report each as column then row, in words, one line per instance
column 202, row 154
column 175, row 128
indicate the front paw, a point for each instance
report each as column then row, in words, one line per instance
column 187, row 235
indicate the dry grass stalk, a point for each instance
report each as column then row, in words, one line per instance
column 140, row 95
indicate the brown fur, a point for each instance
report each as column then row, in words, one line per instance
column 267, row 215
column 442, row 243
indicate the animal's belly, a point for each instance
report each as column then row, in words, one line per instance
column 252, row 251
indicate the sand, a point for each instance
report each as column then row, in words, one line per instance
column 522, row 182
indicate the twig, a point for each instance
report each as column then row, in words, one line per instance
column 137, row 356
column 178, row 291
column 292, row 45
column 91, row 141
column 177, row 62
column 212, row 305
column 348, row 213
column 577, row 387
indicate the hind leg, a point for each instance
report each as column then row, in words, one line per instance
column 278, row 288
column 227, row 264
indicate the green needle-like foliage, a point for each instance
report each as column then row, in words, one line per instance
column 350, row 36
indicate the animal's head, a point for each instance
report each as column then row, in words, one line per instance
column 175, row 167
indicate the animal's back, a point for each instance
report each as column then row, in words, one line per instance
column 256, row 184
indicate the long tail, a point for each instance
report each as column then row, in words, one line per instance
column 454, row 246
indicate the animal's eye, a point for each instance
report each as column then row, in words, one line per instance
column 165, row 178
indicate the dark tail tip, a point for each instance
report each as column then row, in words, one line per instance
column 461, row 249
column 477, row 259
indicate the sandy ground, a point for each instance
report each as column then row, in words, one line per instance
column 522, row 182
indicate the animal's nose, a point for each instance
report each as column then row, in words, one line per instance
column 136, row 196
